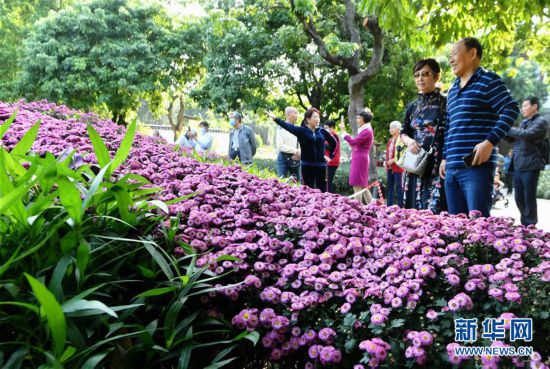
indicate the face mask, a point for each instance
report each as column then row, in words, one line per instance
column 203, row 131
column 232, row 122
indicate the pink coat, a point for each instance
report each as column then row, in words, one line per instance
column 360, row 149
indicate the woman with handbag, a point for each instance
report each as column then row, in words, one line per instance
column 423, row 133
column 360, row 160
column 312, row 143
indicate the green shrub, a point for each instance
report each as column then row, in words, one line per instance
column 83, row 284
column 543, row 189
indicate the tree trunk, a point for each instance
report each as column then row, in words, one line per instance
column 121, row 119
column 171, row 118
column 181, row 116
column 177, row 126
column 356, row 102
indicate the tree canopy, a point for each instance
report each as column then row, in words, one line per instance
column 104, row 53
column 252, row 55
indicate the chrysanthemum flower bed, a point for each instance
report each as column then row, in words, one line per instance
column 326, row 281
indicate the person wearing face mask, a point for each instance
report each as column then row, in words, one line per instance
column 312, row 143
column 424, row 127
column 242, row 142
column 204, row 141
column 480, row 112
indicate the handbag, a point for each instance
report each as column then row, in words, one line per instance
column 417, row 163
column 414, row 163
column 291, row 163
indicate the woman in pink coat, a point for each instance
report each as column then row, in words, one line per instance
column 360, row 149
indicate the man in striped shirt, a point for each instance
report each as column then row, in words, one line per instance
column 480, row 111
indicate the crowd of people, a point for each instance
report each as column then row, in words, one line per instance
column 442, row 157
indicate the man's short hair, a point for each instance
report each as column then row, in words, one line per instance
column 395, row 124
column 533, row 100
column 473, row 43
column 330, row 123
column 237, row 116
column 289, row 109
column 204, row 124
column 432, row 63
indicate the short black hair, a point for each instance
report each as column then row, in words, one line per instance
column 533, row 100
column 434, row 65
column 330, row 123
column 367, row 117
column 204, row 124
column 473, row 43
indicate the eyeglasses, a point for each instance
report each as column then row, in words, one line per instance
column 423, row 74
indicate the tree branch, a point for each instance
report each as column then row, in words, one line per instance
column 311, row 31
column 378, row 51
column 348, row 23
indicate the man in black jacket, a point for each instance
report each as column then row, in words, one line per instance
column 527, row 161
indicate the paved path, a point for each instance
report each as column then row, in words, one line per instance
column 512, row 211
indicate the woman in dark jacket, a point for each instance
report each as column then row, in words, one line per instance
column 312, row 143
column 422, row 117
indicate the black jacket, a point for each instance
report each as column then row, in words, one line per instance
column 312, row 143
column 529, row 133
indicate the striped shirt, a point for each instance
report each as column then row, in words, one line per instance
column 482, row 110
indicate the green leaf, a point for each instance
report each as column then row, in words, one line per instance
column 7, row 190
column 350, row 345
column 349, row 320
column 85, row 293
column 125, row 145
column 253, row 337
column 223, row 354
column 6, row 125
column 160, row 260
column 170, row 321
column 70, row 199
column 87, row 308
column 69, row 352
column 185, row 356
column 93, row 188
column 16, row 359
column 156, row 292
column 25, row 144
column 159, row 204
column 57, row 277
column 93, row 361
column 124, row 202
column 180, row 199
column 83, row 256
column 220, row 364
column 396, row 323
column 100, row 149
column 22, row 304
column 53, row 312
column 227, row 257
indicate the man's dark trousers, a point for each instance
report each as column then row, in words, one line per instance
column 525, row 193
